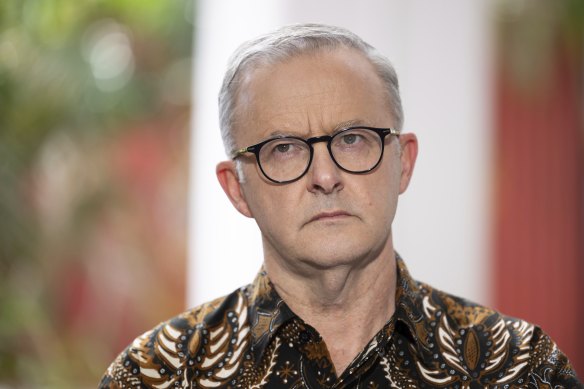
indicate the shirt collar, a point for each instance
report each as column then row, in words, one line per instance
column 409, row 306
column 268, row 311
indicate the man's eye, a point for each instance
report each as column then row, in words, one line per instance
column 349, row 139
column 283, row 147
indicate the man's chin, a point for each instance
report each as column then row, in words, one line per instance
column 330, row 257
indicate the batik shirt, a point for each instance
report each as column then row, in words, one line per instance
column 251, row 339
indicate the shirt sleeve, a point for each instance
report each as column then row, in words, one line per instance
column 119, row 374
column 551, row 367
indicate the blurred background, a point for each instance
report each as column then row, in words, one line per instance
column 111, row 219
column 94, row 129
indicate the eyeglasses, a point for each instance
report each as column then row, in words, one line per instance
column 286, row 159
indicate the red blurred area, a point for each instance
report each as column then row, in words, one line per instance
column 539, row 231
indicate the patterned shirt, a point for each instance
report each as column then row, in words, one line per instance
column 251, row 339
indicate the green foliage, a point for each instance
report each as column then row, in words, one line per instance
column 55, row 56
column 531, row 34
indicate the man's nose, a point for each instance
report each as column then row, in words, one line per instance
column 324, row 175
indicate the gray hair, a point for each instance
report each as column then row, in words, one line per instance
column 290, row 41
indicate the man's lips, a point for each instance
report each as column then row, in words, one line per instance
column 330, row 215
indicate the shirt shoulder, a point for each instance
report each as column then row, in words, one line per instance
column 479, row 339
column 204, row 337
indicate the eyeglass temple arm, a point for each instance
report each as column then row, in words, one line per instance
column 240, row 152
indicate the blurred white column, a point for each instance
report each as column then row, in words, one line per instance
column 441, row 51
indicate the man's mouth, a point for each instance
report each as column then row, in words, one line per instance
column 329, row 216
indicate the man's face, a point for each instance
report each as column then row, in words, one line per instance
column 328, row 217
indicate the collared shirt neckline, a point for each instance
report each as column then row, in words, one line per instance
column 268, row 311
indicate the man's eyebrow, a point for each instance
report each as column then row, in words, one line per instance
column 279, row 134
column 337, row 127
column 348, row 123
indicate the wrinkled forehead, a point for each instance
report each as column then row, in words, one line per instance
column 347, row 57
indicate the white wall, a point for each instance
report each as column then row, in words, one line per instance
column 442, row 52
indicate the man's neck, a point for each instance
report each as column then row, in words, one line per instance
column 341, row 300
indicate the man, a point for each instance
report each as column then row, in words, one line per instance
column 311, row 118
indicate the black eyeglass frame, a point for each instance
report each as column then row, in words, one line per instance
column 255, row 149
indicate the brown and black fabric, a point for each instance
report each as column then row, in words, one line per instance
column 251, row 339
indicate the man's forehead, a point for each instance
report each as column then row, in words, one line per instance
column 301, row 66
column 272, row 93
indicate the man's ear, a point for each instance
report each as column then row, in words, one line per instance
column 228, row 178
column 409, row 152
